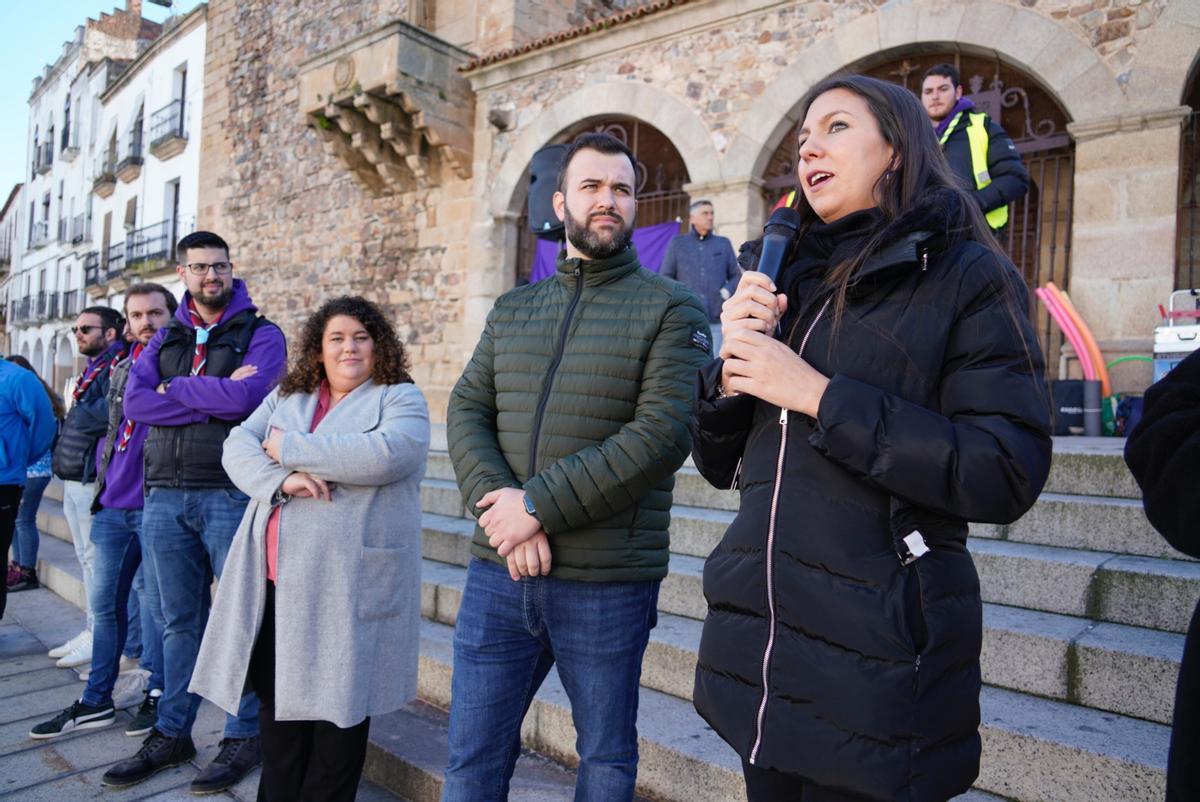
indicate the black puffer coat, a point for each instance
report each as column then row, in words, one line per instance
column 936, row 415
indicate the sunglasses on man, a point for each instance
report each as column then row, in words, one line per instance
column 85, row 330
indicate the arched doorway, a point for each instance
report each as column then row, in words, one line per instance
column 39, row 360
column 1187, row 261
column 1038, row 236
column 661, row 176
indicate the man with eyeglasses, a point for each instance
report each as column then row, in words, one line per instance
column 97, row 333
column 199, row 377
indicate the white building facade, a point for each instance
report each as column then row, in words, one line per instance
column 112, row 176
column 147, row 164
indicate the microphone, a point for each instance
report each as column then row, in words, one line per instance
column 778, row 234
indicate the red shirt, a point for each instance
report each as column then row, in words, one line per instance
column 323, row 407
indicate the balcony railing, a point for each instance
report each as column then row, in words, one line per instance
column 130, row 165
column 167, row 122
column 71, row 303
column 63, row 229
column 148, row 247
column 81, row 231
column 115, row 263
column 39, row 236
column 22, row 309
column 92, row 276
column 105, row 179
column 43, row 157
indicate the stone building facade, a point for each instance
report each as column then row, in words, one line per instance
column 383, row 147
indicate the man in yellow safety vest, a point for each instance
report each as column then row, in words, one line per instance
column 980, row 153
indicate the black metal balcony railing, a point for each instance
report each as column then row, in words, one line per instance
column 106, row 168
column 22, row 310
column 71, row 303
column 44, row 157
column 39, row 235
column 80, row 230
column 115, row 264
column 91, row 269
column 41, row 304
column 131, row 150
column 167, row 122
column 153, row 243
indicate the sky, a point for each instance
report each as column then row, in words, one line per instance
column 31, row 36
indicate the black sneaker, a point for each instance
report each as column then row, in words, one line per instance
column 26, row 580
column 238, row 756
column 146, row 716
column 158, row 752
column 76, row 717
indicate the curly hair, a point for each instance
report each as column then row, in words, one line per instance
column 308, row 368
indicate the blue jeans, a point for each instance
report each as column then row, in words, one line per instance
column 25, row 535
column 507, row 637
column 116, row 614
column 186, row 533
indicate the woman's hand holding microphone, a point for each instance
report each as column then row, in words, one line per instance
column 755, row 362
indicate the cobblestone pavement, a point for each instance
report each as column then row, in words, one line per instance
column 69, row 768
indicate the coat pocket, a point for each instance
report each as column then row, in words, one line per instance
column 914, row 610
column 381, row 590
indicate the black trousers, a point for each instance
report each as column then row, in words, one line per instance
column 303, row 761
column 768, row 785
column 10, row 502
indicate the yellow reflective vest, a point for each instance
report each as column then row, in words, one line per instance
column 977, row 142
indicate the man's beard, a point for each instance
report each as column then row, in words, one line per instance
column 589, row 243
column 94, row 349
column 218, row 301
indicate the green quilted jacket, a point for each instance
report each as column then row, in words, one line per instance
column 579, row 392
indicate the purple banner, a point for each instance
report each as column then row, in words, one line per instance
column 650, row 241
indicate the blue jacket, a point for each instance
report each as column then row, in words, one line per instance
column 26, row 422
column 706, row 265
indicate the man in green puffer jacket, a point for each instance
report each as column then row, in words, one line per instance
column 565, row 431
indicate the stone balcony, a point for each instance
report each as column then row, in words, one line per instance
column 393, row 108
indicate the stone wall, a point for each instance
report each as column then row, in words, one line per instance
column 301, row 227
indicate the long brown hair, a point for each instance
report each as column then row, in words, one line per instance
column 55, row 403
column 918, row 168
column 308, row 370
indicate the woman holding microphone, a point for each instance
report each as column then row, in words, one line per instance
column 318, row 608
column 883, row 392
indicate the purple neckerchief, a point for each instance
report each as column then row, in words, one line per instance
column 963, row 105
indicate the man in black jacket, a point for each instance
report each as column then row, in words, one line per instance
column 98, row 332
column 979, row 151
column 1162, row 452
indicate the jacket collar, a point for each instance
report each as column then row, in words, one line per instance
column 357, row 412
column 596, row 271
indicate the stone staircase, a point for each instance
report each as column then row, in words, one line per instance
column 1085, row 606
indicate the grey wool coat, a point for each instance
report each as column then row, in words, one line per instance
column 348, row 585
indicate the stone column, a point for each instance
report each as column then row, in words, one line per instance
column 737, row 206
column 1123, row 232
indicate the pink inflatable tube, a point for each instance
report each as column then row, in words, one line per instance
column 1088, row 340
column 1054, row 307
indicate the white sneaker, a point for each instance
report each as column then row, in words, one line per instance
column 130, row 688
column 66, row 648
column 80, row 655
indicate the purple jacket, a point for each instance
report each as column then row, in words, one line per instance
column 197, row 399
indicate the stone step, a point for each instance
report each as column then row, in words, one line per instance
column 1106, row 666
column 1137, row 591
column 1053, row 743
column 407, row 753
column 1070, row 752
column 681, row 758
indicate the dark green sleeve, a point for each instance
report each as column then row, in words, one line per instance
column 597, row 482
column 479, row 465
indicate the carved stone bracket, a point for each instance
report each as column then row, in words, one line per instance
column 392, row 106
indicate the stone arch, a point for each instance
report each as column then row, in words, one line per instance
column 646, row 103
column 39, row 358
column 64, row 360
column 1066, row 65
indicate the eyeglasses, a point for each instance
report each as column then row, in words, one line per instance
column 84, row 330
column 201, row 268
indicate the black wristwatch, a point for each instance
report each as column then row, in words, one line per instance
column 529, row 510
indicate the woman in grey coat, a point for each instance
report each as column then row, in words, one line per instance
column 318, row 607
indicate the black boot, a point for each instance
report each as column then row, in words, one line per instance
column 158, row 752
column 238, row 756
